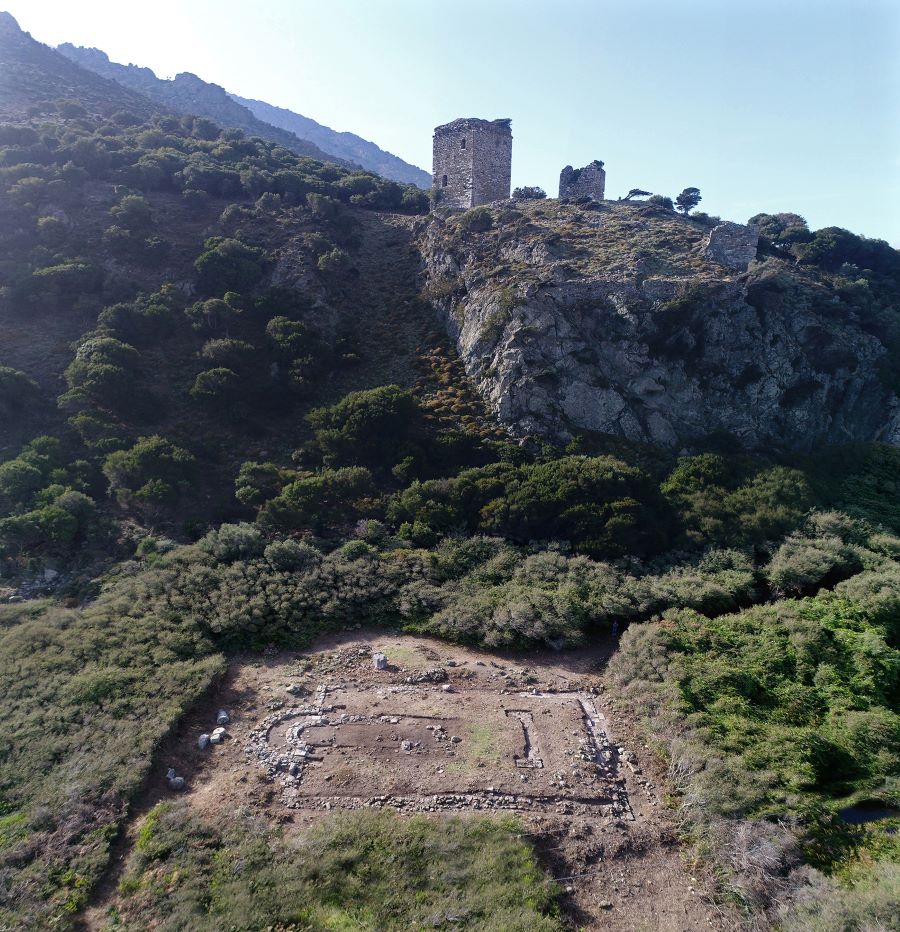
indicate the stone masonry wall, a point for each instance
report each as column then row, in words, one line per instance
column 492, row 162
column 732, row 244
column 472, row 162
column 589, row 181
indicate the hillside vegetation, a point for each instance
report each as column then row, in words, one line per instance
column 231, row 420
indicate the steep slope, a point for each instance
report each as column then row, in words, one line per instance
column 36, row 79
column 186, row 93
column 347, row 145
column 612, row 318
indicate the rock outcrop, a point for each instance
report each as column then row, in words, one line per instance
column 613, row 318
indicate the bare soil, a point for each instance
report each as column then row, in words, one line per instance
column 446, row 729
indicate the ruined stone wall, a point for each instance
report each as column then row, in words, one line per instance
column 589, row 181
column 492, row 172
column 472, row 162
column 732, row 244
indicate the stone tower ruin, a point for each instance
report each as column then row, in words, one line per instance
column 472, row 162
column 589, row 181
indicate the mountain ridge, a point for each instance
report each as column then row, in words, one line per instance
column 348, row 145
column 189, row 93
column 30, row 71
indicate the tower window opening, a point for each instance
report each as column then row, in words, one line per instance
column 462, row 143
column 444, row 182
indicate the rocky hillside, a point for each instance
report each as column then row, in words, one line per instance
column 35, row 79
column 614, row 318
column 346, row 145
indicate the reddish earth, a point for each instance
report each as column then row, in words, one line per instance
column 447, row 729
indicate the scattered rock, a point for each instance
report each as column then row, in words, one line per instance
column 222, row 717
column 379, row 661
column 175, row 782
column 203, row 741
column 218, row 736
column 437, row 675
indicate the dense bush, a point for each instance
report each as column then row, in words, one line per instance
column 228, row 265
column 369, row 428
column 17, row 390
column 774, row 711
column 322, row 502
column 476, row 220
column 529, row 193
column 599, row 504
column 732, row 501
column 143, row 321
column 150, row 475
column 102, row 374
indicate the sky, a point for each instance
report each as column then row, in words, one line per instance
column 766, row 106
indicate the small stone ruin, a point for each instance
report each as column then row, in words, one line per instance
column 589, row 181
column 732, row 244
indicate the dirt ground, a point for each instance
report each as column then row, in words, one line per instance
column 446, row 729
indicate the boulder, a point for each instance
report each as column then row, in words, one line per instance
column 175, row 782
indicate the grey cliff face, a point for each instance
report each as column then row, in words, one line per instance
column 660, row 358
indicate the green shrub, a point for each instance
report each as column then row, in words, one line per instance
column 370, row 427
column 476, row 220
column 228, row 265
column 230, row 542
column 256, row 483
column 319, row 502
column 335, row 261
column 217, row 388
column 153, row 472
column 599, row 504
column 103, row 373
column 291, row 556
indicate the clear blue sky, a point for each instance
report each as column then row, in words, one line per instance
column 766, row 105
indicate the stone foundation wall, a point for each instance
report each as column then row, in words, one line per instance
column 732, row 244
column 589, row 181
column 472, row 162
